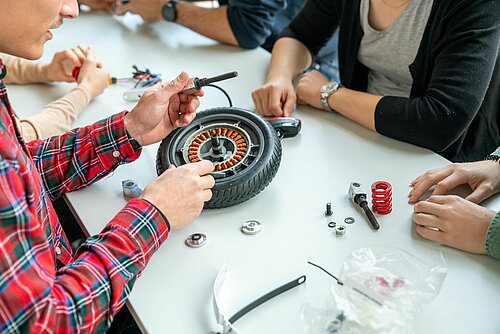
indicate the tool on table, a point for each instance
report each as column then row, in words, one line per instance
column 359, row 197
column 285, row 127
column 195, row 84
column 76, row 72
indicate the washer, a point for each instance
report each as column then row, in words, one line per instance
column 332, row 224
column 251, row 227
column 349, row 220
column 196, row 240
column 340, row 230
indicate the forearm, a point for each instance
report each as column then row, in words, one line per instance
column 57, row 117
column 209, row 22
column 22, row 71
column 289, row 58
column 357, row 106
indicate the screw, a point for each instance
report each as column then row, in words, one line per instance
column 328, row 211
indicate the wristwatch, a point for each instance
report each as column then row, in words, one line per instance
column 169, row 12
column 325, row 92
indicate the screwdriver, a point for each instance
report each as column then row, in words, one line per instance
column 359, row 197
column 196, row 83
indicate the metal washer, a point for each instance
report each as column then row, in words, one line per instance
column 251, row 227
column 196, row 240
column 349, row 220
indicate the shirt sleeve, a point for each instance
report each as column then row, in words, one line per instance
column 462, row 70
column 493, row 238
column 252, row 21
column 22, row 71
column 84, row 295
column 57, row 117
column 315, row 24
column 82, row 156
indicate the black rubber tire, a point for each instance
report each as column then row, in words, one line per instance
column 253, row 179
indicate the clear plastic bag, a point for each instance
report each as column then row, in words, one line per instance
column 382, row 291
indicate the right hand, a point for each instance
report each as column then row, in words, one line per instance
column 276, row 98
column 93, row 75
column 483, row 177
column 180, row 193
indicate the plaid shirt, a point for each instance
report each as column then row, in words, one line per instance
column 44, row 286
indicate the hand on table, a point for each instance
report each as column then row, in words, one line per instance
column 308, row 88
column 106, row 5
column 149, row 10
column 276, row 98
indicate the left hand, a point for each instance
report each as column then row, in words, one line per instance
column 308, row 88
column 149, row 10
column 461, row 223
column 162, row 109
column 63, row 63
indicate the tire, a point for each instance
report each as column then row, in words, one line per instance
column 236, row 180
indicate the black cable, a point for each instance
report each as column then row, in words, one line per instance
column 326, row 271
column 223, row 91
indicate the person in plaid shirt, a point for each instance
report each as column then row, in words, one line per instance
column 44, row 286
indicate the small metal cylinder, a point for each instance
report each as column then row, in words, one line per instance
column 196, row 240
column 340, row 230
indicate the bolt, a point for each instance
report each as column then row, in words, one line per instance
column 216, row 144
column 328, row 211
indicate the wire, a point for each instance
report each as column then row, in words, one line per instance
column 326, row 271
column 223, row 91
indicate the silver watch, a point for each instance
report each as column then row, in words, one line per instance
column 325, row 92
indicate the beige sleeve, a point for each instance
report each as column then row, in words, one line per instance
column 57, row 117
column 22, row 71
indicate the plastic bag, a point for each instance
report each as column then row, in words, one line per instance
column 382, row 291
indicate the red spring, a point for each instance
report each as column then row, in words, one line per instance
column 382, row 197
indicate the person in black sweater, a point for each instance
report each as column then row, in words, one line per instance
column 451, row 77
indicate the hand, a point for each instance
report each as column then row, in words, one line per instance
column 462, row 224
column 63, row 63
column 483, row 177
column 106, row 5
column 161, row 110
column 179, row 193
column 149, row 10
column 93, row 75
column 308, row 88
column 275, row 98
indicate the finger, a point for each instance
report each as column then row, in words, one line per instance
column 425, row 219
column 208, row 181
column 203, row 167
column 429, row 234
column 426, row 181
column 275, row 102
column 176, row 85
column 441, row 199
column 428, row 208
column 257, row 102
column 206, row 195
column 289, row 103
column 479, row 194
column 81, row 54
column 71, row 56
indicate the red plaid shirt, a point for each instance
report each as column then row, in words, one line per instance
column 44, row 287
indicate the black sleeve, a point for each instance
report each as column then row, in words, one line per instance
column 463, row 57
column 315, row 24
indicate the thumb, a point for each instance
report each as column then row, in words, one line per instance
column 90, row 56
column 176, row 85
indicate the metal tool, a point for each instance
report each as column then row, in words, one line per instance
column 131, row 189
column 358, row 196
column 195, row 84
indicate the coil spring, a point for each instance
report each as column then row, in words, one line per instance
column 241, row 147
column 382, row 197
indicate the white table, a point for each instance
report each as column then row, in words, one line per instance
column 174, row 294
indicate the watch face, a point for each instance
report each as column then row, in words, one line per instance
column 168, row 12
column 327, row 88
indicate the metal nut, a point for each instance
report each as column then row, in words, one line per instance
column 196, row 240
column 340, row 230
column 251, row 227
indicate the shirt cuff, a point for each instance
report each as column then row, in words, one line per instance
column 111, row 142
column 145, row 224
column 493, row 238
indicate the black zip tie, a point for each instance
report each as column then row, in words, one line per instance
column 326, row 271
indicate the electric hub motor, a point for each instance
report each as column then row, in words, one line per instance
column 242, row 145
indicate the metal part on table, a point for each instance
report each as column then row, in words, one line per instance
column 349, row 220
column 196, row 240
column 340, row 230
column 131, row 189
column 332, row 224
column 382, row 197
column 251, row 227
column 358, row 196
column 328, row 211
